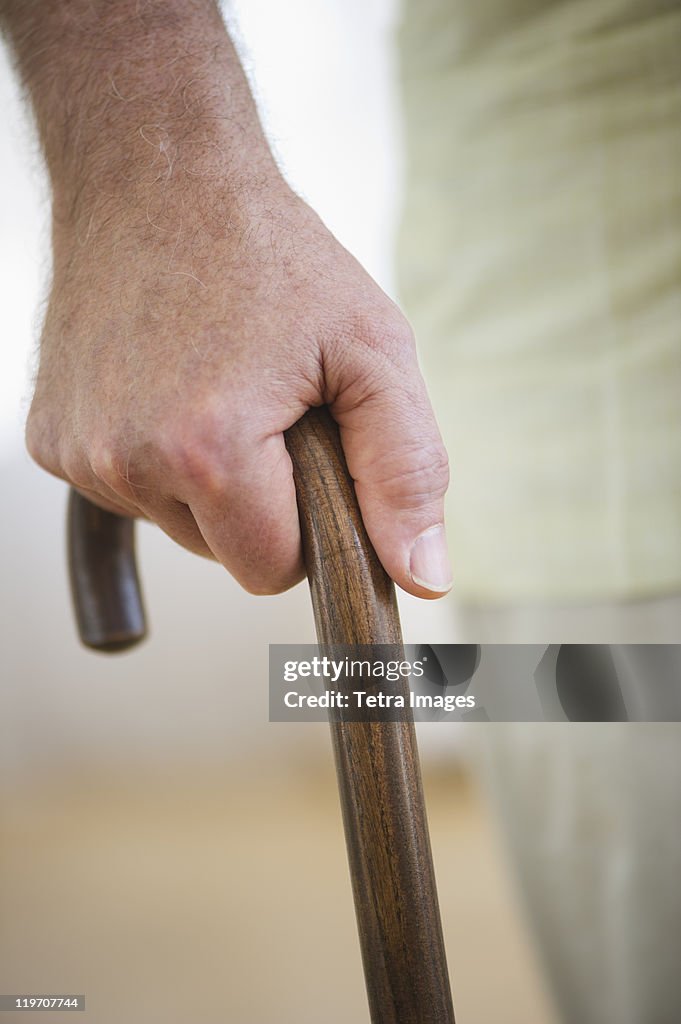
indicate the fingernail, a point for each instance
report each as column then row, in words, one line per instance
column 429, row 562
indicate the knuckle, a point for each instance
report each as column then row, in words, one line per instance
column 103, row 464
column 75, row 467
column 110, row 464
column 196, row 451
column 196, row 461
column 389, row 335
column 372, row 359
column 371, row 355
column 61, row 457
column 413, row 477
column 38, row 443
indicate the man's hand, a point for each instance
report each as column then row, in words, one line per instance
column 199, row 307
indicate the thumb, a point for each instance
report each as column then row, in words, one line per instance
column 401, row 471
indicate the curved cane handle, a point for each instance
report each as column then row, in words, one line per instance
column 376, row 762
column 103, row 572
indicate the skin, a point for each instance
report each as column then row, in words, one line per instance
column 199, row 307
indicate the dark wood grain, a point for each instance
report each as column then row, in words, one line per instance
column 377, row 762
column 377, row 765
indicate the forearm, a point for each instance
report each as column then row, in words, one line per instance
column 131, row 98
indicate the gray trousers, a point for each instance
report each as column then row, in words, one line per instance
column 592, row 815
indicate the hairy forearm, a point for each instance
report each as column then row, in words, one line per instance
column 134, row 97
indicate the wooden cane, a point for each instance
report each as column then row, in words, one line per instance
column 376, row 761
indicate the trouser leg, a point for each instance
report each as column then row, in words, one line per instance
column 592, row 819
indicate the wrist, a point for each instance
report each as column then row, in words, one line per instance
column 133, row 99
column 149, row 171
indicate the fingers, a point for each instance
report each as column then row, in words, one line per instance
column 235, row 500
column 176, row 519
column 231, row 496
column 116, row 507
column 228, row 496
column 398, row 461
column 100, row 478
column 242, row 497
column 173, row 517
column 113, row 489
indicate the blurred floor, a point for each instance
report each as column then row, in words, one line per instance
column 199, row 897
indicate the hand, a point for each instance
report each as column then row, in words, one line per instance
column 179, row 346
column 199, row 308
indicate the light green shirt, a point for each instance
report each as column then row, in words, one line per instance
column 540, row 263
